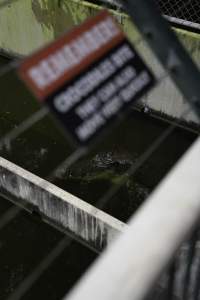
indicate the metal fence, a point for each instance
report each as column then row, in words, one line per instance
column 178, row 66
column 179, row 12
column 185, row 10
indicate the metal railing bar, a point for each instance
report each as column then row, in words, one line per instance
column 24, row 126
column 174, row 200
column 102, row 201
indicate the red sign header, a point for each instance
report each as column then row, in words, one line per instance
column 49, row 68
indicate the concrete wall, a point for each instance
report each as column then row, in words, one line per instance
column 29, row 24
column 57, row 207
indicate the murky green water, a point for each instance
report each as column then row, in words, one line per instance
column 26, row 240
column 24, row 243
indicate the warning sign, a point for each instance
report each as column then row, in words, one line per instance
column 88, row 76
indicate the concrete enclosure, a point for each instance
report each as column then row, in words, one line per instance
column 29, row 24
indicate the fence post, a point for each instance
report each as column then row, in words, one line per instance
column 167, row 48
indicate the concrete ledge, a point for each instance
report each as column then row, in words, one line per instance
column 58, row 207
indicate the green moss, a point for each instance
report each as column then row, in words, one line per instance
column 28, row 24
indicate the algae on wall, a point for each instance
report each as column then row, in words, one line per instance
column 20, row 32
column 29, row 24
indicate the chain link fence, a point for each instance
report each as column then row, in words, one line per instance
column 185, row 10
column 182, row 10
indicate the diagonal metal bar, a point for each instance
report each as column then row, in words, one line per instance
column 25, row 125
column 167, row 48
column 40, row 269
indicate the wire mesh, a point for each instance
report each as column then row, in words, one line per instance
column 179, row 12
column 185, row 10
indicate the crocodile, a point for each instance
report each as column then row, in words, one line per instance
column 94, row 176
